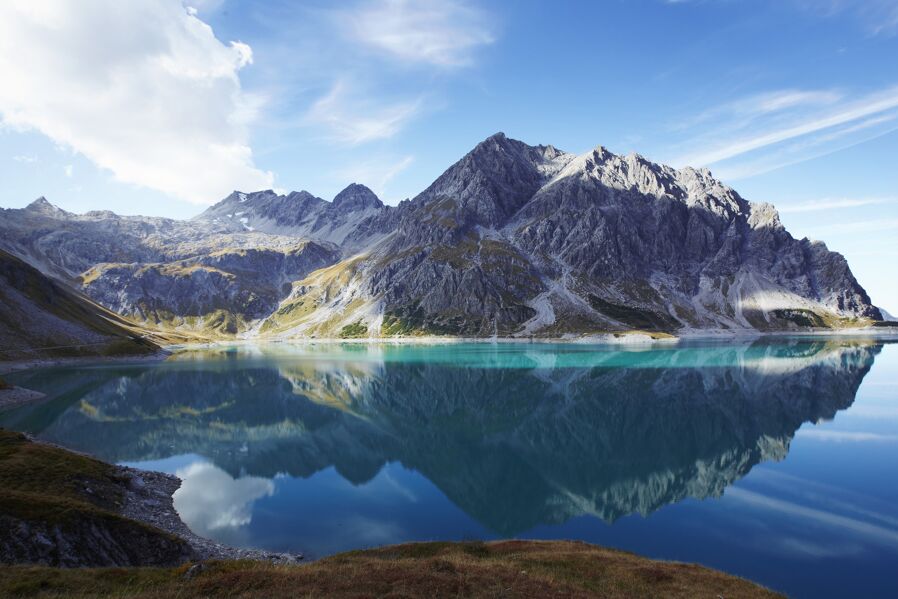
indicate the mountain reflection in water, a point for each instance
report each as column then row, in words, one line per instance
column 514, row 435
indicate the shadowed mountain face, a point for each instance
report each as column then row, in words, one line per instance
column 512, row 240
column 40, row 317
column 515, row 437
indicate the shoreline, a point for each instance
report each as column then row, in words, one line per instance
column 624, row 339
column 8, row 366
column 149, row 498
column 18, row 396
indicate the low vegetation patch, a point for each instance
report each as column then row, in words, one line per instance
column 820, row 319
column 507, row 569
column 802, row 318
column 646, row 320
column 412, row 321
column 355, row 330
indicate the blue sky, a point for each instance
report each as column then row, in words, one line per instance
column 793, row 102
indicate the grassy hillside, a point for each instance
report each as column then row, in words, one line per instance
column 40, row 317
column 501, row 569
column 49, row 493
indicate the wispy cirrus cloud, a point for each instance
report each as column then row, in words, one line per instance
column 878, row 17
column 826, row 204
column 864, row 226
column 764, row 131
column 854, row 526
column 350, row 118
column 751, row 107
column 376, row 173
column 442, row 33
column 845, row 436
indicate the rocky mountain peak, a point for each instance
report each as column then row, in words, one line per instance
column 301, row 194
column 600, row 154
column 356, row 197
column 45, row 208
column 301, row 200
column 492, row 181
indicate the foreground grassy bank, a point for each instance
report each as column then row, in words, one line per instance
column 62, row 508
column 506, row 569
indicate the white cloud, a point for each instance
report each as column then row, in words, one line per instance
column 437, row 32
column 142, row 88
column 25, row 158
column 354, row 120
column 69, row 170
column 205, row 6
column 210, row 499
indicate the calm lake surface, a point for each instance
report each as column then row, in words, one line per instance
column 776, row 460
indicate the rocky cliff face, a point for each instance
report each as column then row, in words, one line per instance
column 522, row 240
column 512, row 240
column 221, row 292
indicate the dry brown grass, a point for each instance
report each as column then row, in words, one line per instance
column 501, row 569
column 43, row 472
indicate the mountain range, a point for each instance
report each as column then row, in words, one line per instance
column 513, row 240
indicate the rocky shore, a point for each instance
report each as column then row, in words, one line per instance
column 148, row 499
column 66, row 509
column 16, row 396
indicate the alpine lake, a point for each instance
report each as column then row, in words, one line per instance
column 775, row 459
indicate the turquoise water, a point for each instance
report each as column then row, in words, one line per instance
column 774, row 460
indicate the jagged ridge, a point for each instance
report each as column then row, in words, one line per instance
column 512, row 240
